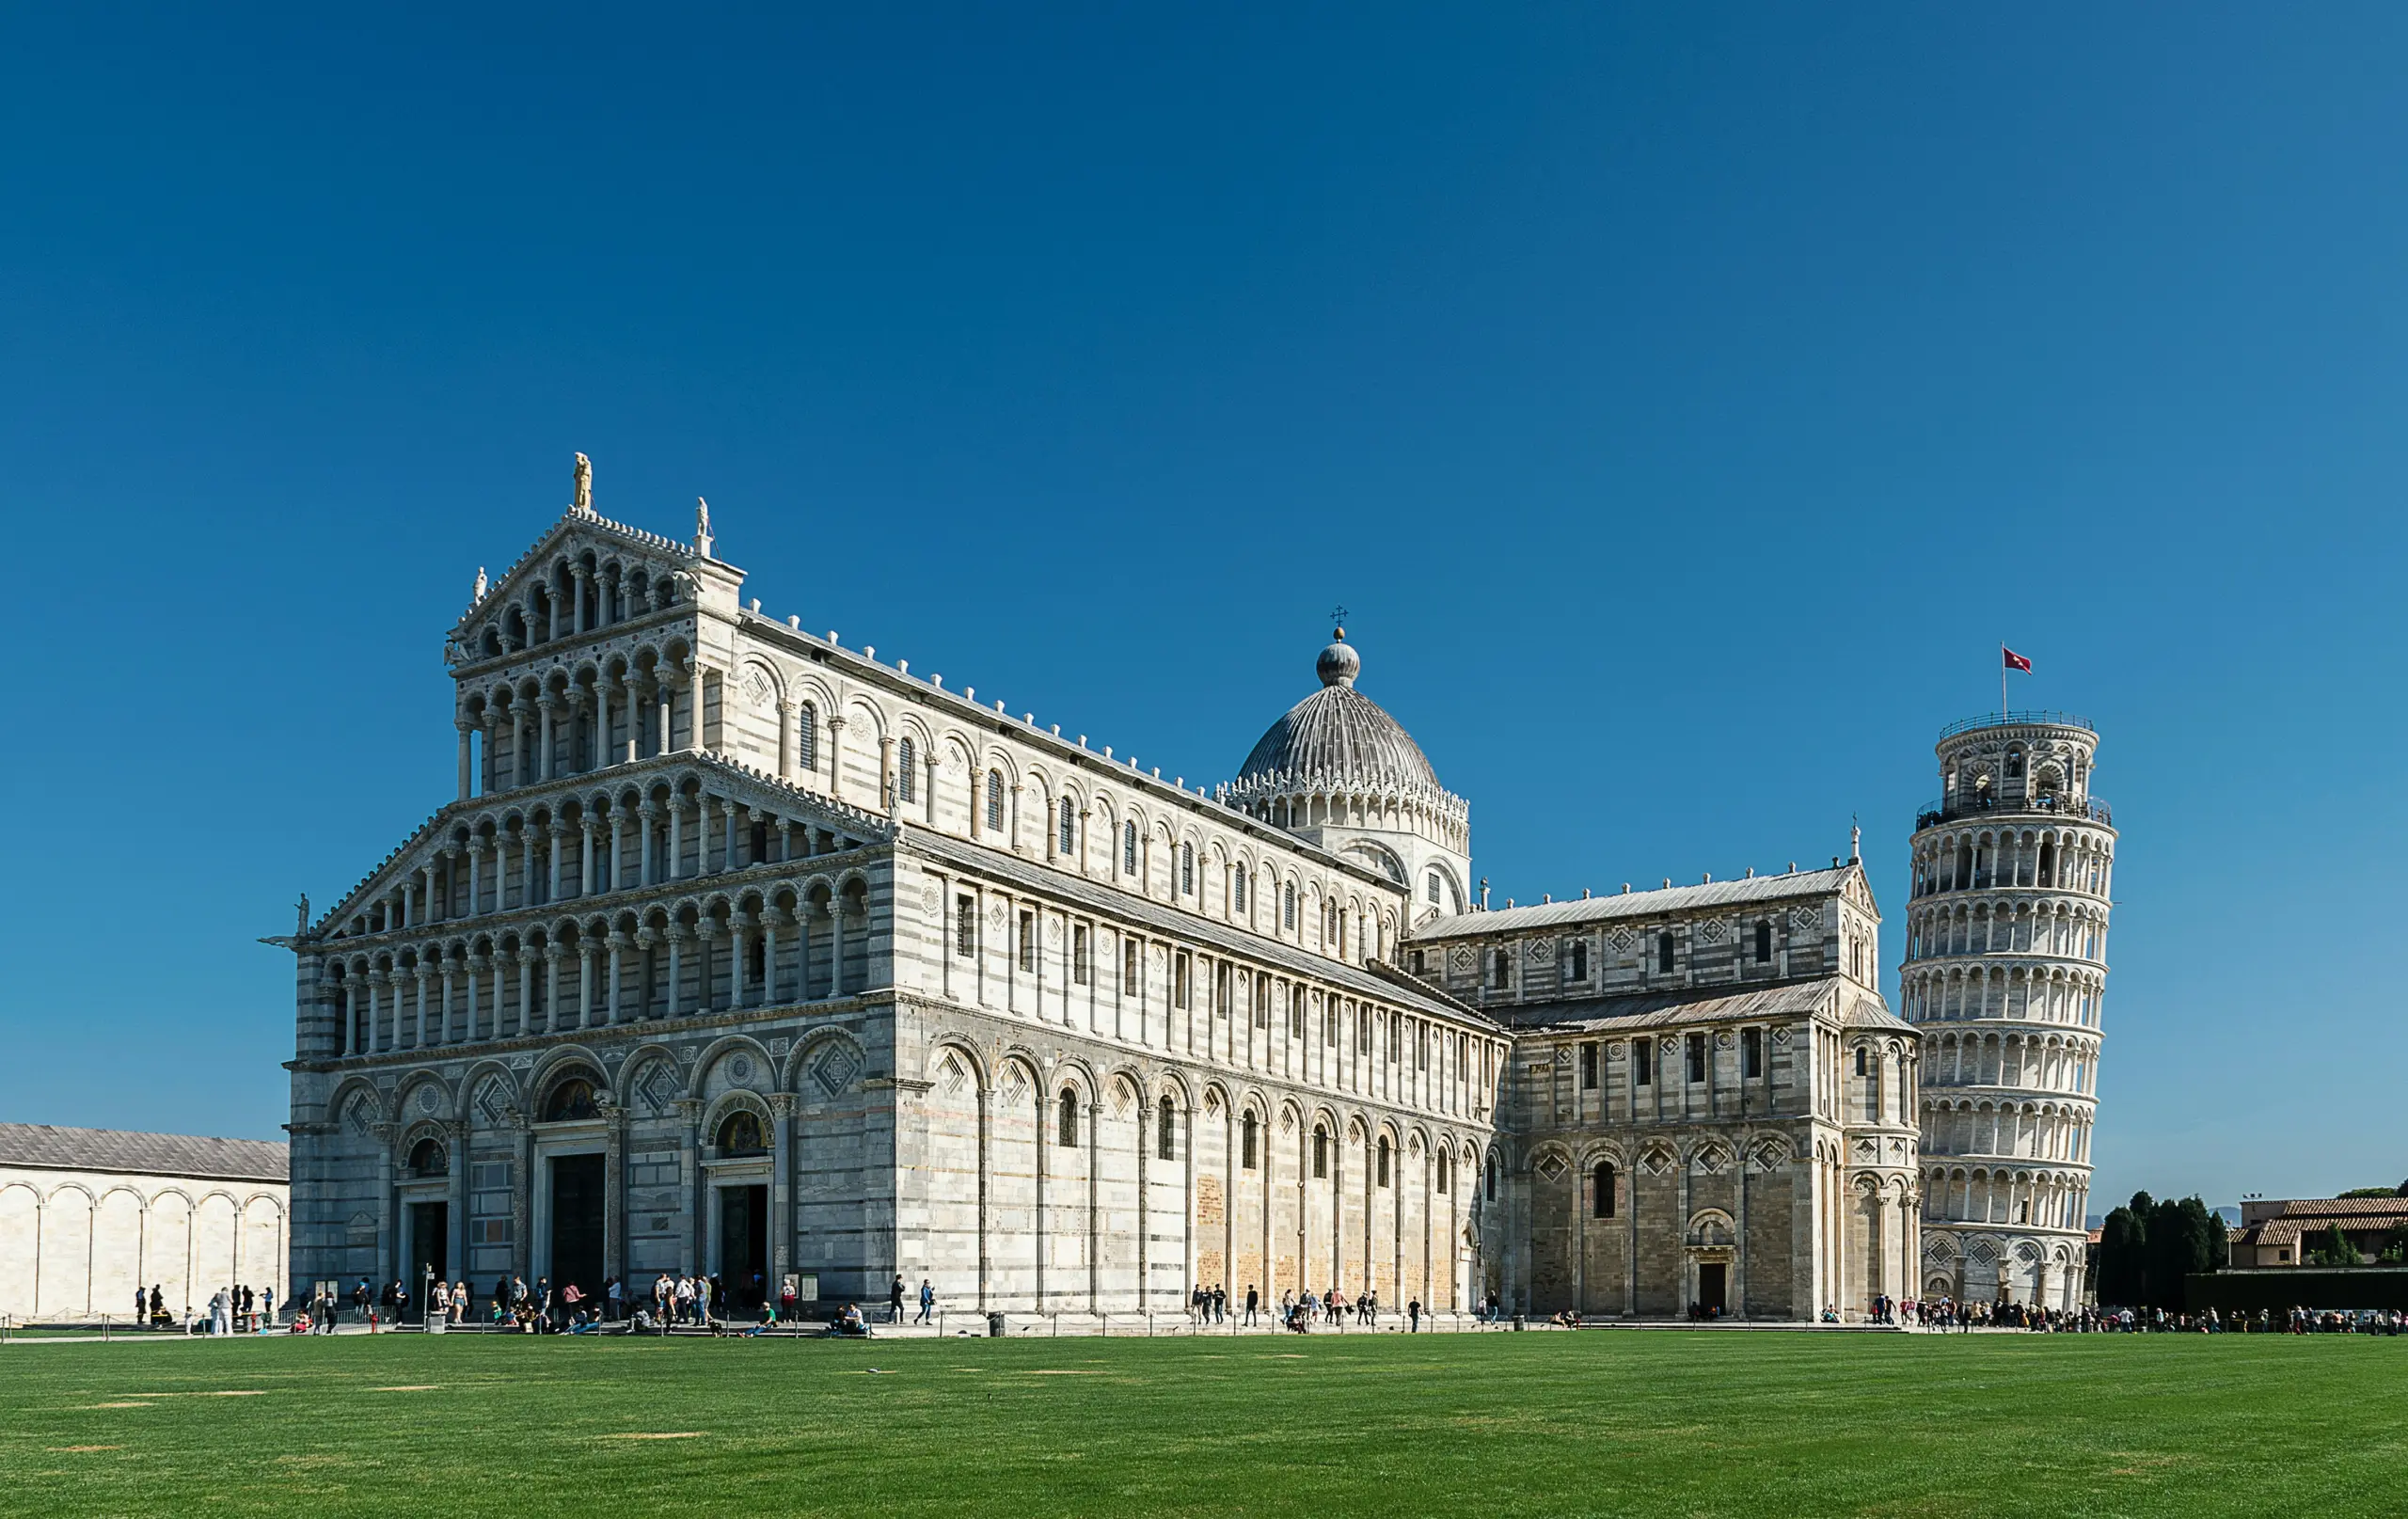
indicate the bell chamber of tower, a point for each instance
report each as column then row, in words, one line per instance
column 2004, row 975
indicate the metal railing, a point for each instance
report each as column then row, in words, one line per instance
column 2002, row 720
column 1984, row 803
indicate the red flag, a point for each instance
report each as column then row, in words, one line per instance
column 2014, row 660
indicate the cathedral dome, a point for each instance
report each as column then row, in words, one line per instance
column 1339, row 738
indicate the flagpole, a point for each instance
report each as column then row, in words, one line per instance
column 2002, row 680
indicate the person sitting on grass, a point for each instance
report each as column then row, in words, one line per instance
column 849, row 1321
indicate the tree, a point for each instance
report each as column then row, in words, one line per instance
column 2334, row 1248
column 2122, row 1259
column 2395, row 1246
column 2368, row 1192
column 2183, row 1238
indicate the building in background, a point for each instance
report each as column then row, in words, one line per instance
column 88, row 1216
column 2004, row 975
column 2288, row 1231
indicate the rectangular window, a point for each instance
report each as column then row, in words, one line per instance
column 1588, row 1068
column 1643, row 1061
column 1664, row 951
column 1362, row 1030
column 1261, row 1001
column 1128, row 965
column 1295, row 1011
column 1224, row 984
column 1329, row 1021
column 491, row 1231
column 1419, row 968
column 1182, row 967
column 1028, row 941
column 1420, row 1045
column 1078, row 953
column 1697, row 1057
column 1752, row 1052
column 490, row 1175
column 965, row 925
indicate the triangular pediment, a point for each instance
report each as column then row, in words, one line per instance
column 579, row 538
column 572, row 799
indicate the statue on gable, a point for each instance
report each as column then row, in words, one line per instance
column 478, row 595
column 702, row 518
column 302, row 907
column 583, row 500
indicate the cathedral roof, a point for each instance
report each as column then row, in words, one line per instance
column 1638, row 1012
column 1338, row 739
column 1641, row 903
column 46, row 1147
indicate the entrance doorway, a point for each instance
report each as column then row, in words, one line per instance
column 744, row 1244
column 430, row 1231
column 1712, row 1288
column 577, row 1224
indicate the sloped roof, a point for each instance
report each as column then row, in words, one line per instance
column 1791, row 999
column 1207, row 934
column 2341, row 1207
column 50, row 1147
column 1796, row 883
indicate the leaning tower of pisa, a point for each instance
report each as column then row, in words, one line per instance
column 2006, row 971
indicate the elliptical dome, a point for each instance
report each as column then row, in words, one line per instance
column 1338, row 736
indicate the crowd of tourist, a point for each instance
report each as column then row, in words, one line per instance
column 1947, row 1314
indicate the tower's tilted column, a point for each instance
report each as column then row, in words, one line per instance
column 2007, row 964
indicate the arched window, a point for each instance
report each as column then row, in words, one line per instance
column 907, row 768
column 1247, row 1139
column 1237, row 888
column 1128, row 849
column 1383, row 1161
column 1165, row 1130
column 571, row 1100
column 739, row 1133
column 2015, row 764
column 1860, row 1065
column 995, row 802
column 1067, row 1120
column 1446, row 1169
column 1187, row 870
column 1321, row 1152
column 1764, row 943
column 1288, row 906
column 1068, row 840
column 428, row 1158
column 1664, row 950
column 806, row 742
column 1492, row 1176
column 1601, row 1204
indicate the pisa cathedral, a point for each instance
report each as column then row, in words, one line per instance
column 739, row 950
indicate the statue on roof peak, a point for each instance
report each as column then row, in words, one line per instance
column 583, row 500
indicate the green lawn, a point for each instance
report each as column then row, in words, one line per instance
column 401, row 1427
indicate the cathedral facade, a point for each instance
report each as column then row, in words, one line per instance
column 740, row 951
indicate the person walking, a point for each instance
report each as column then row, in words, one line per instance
column 927, row 1301
column 1251, row 1298
column 894, row 1301
column 1413, row 1316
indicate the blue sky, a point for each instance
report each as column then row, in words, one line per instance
column 1684, row 404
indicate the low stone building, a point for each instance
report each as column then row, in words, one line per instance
column 90, row 1215
column 2287, row 1231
